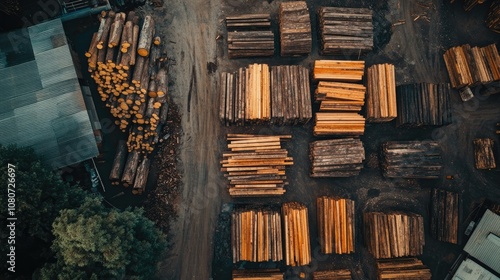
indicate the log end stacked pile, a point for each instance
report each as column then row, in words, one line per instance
column 412, row 159
column 243, row 40
column 261, row 274
column 336, row 158
column 345, row 30
column 483, row 153
column 394, row 235
column 444, row 216
column 296, row 227
column 255, row 165
column 405, row 268
column 493, row 18
column 423, row 104
column 381, row 93
column 341, row 274
column 256, row 236
column 336, row 225
column 295, row 28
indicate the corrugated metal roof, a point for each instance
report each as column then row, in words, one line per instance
column 482, row 248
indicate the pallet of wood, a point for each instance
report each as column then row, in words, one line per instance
column 341, row 274
column 295, row 28
column 394, row 235
column 340, row 97
column 381, row 93
column 444, row 216
column 248, row 21
column 423, row 104
column 250, row 43
column 255, row 165
column 256, row 236
column 336, row 158
column 403, row 268
column 345, row 31
column 412, row 159
column 258, row 274
column 339, row 70
column 493, row 17
column 340, row 124
column 336, row 225
column 483, row 153
column 296, row 230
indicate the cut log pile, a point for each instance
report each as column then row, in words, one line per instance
column 255, row 165
column 296, row 227
column 412, row 159
column 472, row 66
column 341, row 274
column 423, row 104
column 243, row 40
column 295, row 28
column 483, row 153
column 336, row 158
column 405, row 268
column 336, row 225
column 493, row 18
column 381, row 93
column 130, row 169
column 345, row 31
column 394, row 235
column 261, row 274
column 444, row 216
column 256, row 236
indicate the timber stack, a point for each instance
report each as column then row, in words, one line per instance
column 483, row 153
column 295, row 28
column 249, row 35
column 423, row 104
column 261, row 274
column 412, row 159
column 118, row 163
column 336, row 225
column 444, row 216
column 345, row 31
column 296, row 227
column 471, row 66
column 470, row 4
column 341, row 274
column 255, row 165
column 336, row 158
column 256, row 236
column 340, row 97
column 381, row 93
column 493, row 18
column 404, row 268
column 394, row 235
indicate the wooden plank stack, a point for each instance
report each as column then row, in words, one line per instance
column 470, row 4
column 345, row 30
column 404, row 268
column 336, row 225
column 423, row 104
column 341, row 274
column 493, row 18
column 381, row 93
column 340, row 97
column 394, row 235
column 483, row 153
column 444, row 216
column 255, row 165
column 244, row 40
column 295, row 28
column 256, row 236
column 296, row 227
column 339, row 70
column 336, row 158
column 412, row 159
column 261, row 274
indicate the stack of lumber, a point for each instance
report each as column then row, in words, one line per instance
column 470, row 4
column 381, row 93
column 295, row 28
column 493, row 18
column 340, row 97
column 423, row 104
column 248, row 21
column 412, row 159
column 255, row 165
column 336, row 158
column 336, row 225
column 350, row 124
column 405, row 268
column 296, row 225
column 244, row 40
column 339, row 70
column 483, row 153
column 256, row 236
column 261, row 274
column 341, row 274
column 472, row 66
column 345, row 30
column 393, row 235
column 444, row 216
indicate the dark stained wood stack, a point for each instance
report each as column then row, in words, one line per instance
column 345, row 31
column 119, row 163
column 412, row 159
column 470, row 4
column 423, row 104
column 444, row 216
column 295, row 28
column 483, row 153
column 336, row 225
column 255, row 166
column 296, row 230
column 381, row 93
column 340, row 97
column 256, row 236
column 336, row 158
column 243, row 38
column 403, row 268
column 341, row 274
column 493, row 18
column 261, row 274
column 394, row 235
